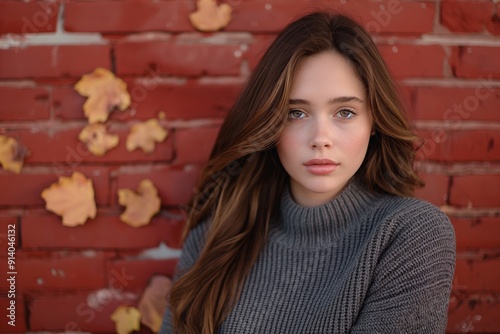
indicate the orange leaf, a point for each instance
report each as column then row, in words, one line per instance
column 97, row 139
column 12, row 154
column 140, row 206
column 210, row 16
column 105, row 92
column 127, row 319
column 145, row 135
column 72, row 198
column 153, row 302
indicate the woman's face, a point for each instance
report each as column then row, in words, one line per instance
column 328, row 128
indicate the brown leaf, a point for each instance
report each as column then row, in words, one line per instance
column 140, row 206
column 97, row 139
column 153, row 302
column 145, row 135
column 210, row 16
column 12, row 154
column 127, row 319
column 105, row 92
column 72, row 198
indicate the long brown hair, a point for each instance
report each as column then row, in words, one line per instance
column 240, row 188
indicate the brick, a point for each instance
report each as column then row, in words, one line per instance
column 25, row 189
column 8, row 224
column 28, row 17
column 168, row 58
column 194, row 145
column 47, row 232
column 476, row 191
column 139, row 272
column 38, row 272
column 475, row 62
column 455, row 105
column 460, row 145
column 20, row 315
column 414, row 60
column 128, row 16
column 85, row 312
column 466, row 16
column 493, row 24
column 61, row 147
column 213, row 100
column 473, row 314
column 67, row 103
column 52, row 61
column 175, row 185
column 435, row 190
column 386, row 17
column 477, row 233
column 477, row 275
column 24, row 103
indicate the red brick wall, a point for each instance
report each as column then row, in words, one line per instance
column 445, row 55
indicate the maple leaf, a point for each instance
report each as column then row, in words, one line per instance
column 72, row 198
column 105, row 92
column 127, row 319
column 210, row 16
column 12, row 154
column 140, row 206
column 145, row 135
column 97, row 139
column 153, row 302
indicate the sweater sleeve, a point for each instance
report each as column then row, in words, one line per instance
column 411, row 285
column 189, row 254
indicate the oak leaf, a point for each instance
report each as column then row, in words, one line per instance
column 153, row 302
column 140, row 206
column 105, row 92
column 72, row 198
column 127, row 319
column 144, row 135
column 210, row 16
column 12, row 154
column 97, row 139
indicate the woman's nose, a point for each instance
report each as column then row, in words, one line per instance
column 321, row 136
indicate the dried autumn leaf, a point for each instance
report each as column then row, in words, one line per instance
column 127, row 319
column 153, row 302
column 140, row 206
column 12, row 154
column 145, row 135
column 210, row 16
column 97, row 139
column 72, row 198
column 105, row 92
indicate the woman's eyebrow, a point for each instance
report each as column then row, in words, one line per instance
column 336, row 100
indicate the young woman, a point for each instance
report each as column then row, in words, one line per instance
column 303, row 221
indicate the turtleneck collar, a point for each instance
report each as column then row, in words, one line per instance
column 321, row 226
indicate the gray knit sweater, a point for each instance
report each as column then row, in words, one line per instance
column 362, row 263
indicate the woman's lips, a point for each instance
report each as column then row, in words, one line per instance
column 321, row 166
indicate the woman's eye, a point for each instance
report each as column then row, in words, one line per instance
column 296, row 113
column 346, row 113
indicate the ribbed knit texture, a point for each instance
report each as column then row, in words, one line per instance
column 361, row 263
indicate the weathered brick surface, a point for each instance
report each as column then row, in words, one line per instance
column 443, row 54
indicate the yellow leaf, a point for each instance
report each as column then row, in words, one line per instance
column 140, row 206
column 105, row 92
column 210, row 16
column 72, row 198
column 145, row 135
column 12, row 154
column 153, row 302
column 127, row 319
column 97, row 139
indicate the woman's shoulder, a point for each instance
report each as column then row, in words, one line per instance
column 410, row 215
